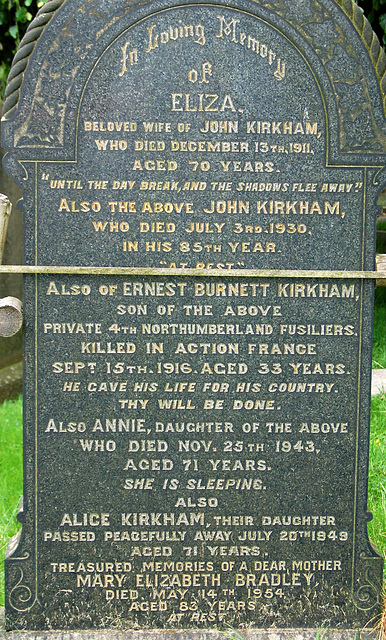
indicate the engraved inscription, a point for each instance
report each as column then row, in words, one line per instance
column 196, row 442
column 200, row 381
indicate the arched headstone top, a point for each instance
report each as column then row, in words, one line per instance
column 352, row 61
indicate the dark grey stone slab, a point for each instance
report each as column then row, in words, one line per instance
column 196, row 446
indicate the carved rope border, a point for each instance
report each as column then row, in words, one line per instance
column 369, row 39
column 21, row 59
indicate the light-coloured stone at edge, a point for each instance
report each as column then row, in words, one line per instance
column 378, row 381
column 194, row 634
column 5, row 212
column 11, row 316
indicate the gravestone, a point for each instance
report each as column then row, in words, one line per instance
column 199, row 187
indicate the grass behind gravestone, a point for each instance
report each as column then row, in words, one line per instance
column 377, row 474
column 11, row 474
column 379, row 340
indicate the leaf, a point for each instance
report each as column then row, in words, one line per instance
column 20, row 14
column 231, row 633
column 382, row 21
column 14, row 31
column 27, row 3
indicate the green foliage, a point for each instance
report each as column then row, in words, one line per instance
column 375, row 11
column 15, row 16
column 11, row 476
column 379, row 342
column 377, row 474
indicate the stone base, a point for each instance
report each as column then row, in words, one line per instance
column 188, row 634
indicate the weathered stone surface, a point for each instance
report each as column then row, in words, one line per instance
column 11, row 381
column 378, row 381
column 256, row 634
column 11, row 316
column 5, row 212
column 11, row 348
column 197, row 445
